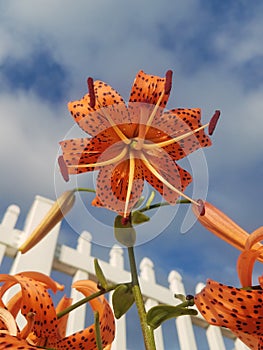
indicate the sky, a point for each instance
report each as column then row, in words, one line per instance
column 215, row 51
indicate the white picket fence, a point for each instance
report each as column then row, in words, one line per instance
column 78, row 264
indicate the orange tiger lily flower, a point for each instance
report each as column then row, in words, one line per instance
column 43, row 328
column 239, row 309
column 130, row 144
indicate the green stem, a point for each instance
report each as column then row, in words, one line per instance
column 84, row 301
column 97, row 330
column 162, row 204
column 146, row 330
column 83, row 189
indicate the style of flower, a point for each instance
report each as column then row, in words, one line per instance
column 239, row 309
column 132, row 143
column 43, row 327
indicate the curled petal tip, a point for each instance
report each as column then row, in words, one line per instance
column 168, row 82
column 63, row 168
column 213, row 122
column 91, row 92
column 201, row 207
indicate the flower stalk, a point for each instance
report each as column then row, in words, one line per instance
column 146, row 330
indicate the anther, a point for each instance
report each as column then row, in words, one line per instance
column 213, row 122
column 63, row 168
column 201, row 207
column 168, row 82
column 91, row 92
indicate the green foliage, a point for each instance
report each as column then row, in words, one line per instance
column 124, row 232
column 100, row 275
column 160, row 313
column 122, row 299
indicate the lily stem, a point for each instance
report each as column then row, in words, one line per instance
column 84, row 301
column 146, row 330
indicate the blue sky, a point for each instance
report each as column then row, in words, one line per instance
column 215, row 50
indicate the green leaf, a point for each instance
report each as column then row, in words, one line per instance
column 124, row 232
column 160, row 313
column 122, row 299
column 139, row 218
column 100, row 275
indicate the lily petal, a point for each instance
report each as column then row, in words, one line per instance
column 113, row 183
column 248, row 257
column 35, row 299
column 10, row 342
column 91, row 120
column 173, row 174
column 85, row 339
column 237, row 309
column 62, row 322
column 222, row 226
column 148, row 88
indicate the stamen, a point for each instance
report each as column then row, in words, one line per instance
column 201, row 207
column 115, row 126
column 164, row 181
column 174, row 140
column 150, row 119
column 168, row 82
column 130, row 183
column 166, row 90
column 63, row 168
column 106, row 162
column 91, row 92
column 213, row 122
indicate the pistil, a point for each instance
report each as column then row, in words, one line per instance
column 130, row 183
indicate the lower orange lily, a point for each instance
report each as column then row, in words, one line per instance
column 239, row 309
column 43, row 328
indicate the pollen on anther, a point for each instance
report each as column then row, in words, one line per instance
column 168, row 82
column 91, row 92
column 63, row 168
column 213, row 122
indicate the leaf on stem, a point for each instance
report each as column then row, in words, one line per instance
column 122, row 300
column 160, row 313
column 100, row 275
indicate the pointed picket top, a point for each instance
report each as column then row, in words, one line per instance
column 147, row 270
column 84, row 243
column 11, row 216
column 116, row 256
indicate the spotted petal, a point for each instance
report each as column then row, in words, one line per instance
column 78, row 154
column 94, row 119
column 85, row 339
column 8, row 341
column 237, row 309
column 172, row 178
column 36, row 299
column 113, row 186
column 148, row 88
